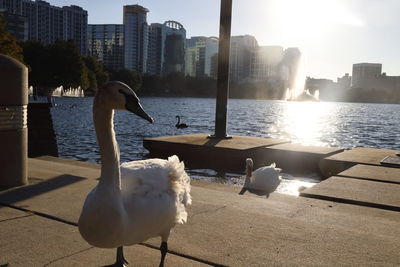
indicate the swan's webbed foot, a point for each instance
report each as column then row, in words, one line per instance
column 164, row 250
column 121, row 261
column 244, row 189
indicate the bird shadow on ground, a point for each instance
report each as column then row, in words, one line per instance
column 254, row 191
column 13, row 195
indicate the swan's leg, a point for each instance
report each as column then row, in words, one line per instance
column 163, row 249
column 121, row 261
column 120, row 256
column 244, row 189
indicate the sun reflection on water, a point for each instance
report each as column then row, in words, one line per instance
column 305, row 122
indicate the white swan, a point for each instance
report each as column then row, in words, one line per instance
column 262, row 181
column 140, row 200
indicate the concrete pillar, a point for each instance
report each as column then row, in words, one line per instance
column 13, row 122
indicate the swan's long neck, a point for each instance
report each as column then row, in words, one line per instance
column 249, row 173
column 104, row 126
column 179, row 120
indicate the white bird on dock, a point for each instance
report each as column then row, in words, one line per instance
column 140, row 199
column 262, row 181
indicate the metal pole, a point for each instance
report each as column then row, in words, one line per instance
column 13, row 122
column 223, row 69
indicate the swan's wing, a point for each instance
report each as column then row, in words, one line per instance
column 144, row 176
column 265, row 178
column 159, row 182
column 156, row 175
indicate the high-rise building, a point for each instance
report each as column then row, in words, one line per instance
column 240, row 55
column 265, row 63
column 362, row 72
column 75, row 21
column 191, row 59
column 106, row 43
column 47, row 23
column 166, row 48
column 17, row 25
column 11, row 6
column 155, row 50
column 174, row 47
column 200, row 52
column 369, row 76
column 136, row 37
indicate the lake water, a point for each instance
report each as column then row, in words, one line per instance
column 345, row 125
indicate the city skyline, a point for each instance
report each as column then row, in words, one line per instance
column 332, row 35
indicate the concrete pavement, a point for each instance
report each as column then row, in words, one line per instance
column 38, row 227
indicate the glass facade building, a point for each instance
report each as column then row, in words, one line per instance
column 106, row 43
column 200, row 55
column 75, row 21
column 47, row 23
column 266, row 63
column 166, row 48
column 240, row 55
column 135, row 38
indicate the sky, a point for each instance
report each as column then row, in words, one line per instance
column 331, row 34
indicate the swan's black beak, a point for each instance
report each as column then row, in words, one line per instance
column 133, row 105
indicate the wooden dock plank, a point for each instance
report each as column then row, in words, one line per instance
column 358, row 192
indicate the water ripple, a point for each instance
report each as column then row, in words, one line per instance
column 345, row 125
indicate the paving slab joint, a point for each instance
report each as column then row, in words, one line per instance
column 352, row 202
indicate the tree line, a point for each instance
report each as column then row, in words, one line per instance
column 51, row 66
column 60, row 64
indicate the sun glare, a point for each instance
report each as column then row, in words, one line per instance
column 305, row 122
column 307, row 20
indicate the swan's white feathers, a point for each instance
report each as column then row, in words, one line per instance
column 154, row 196
column 265, row 178
column 157, row 178
column 135, row 201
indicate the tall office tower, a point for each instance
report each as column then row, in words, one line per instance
column 240, row 55
column 191, row 58
column 106, row 43
column 11, row 6
column 47, row 23
column 136, row 38
column 17, row 25
column 166, row 48
column 364, row 72
column 155, row 52
column 200, row 53
column 75, row 21
column 174, row 47
column 266, row 63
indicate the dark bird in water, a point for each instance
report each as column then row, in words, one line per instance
column 180, row 125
